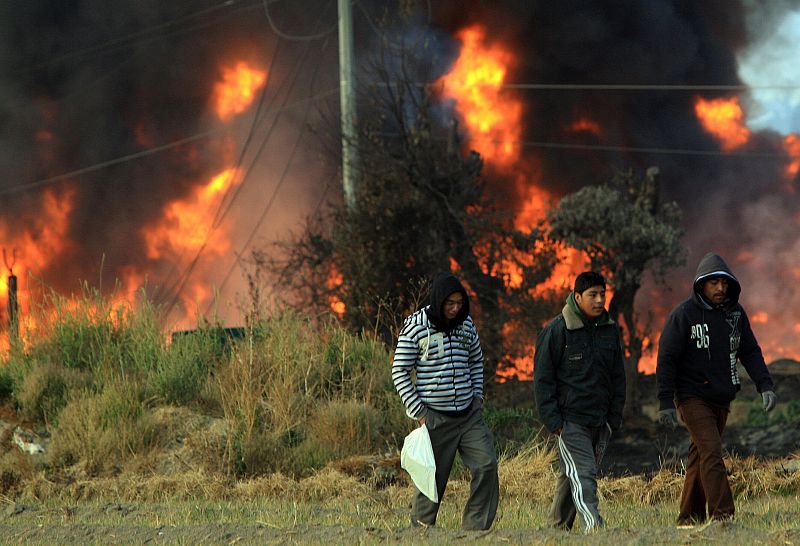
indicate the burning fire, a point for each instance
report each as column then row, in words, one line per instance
column 760, row 317
column 187, row 224
column 491, row 116
column 237, row 90
column 586, row 125
column 724, row 119
column 41, row 241
column 792, row 146
column 335, row 279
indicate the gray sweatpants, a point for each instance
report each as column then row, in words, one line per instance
column 470, row 436
column 581, row 449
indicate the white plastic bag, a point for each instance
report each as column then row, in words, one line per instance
column 417, row 458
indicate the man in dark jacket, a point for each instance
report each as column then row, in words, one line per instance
column 697, row 353
column 579, row 381
column 440, row 344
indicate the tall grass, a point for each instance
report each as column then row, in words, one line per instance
column 292, row 396
column 296, row 397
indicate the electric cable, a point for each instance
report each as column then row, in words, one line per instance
column 179, row 286
column 245, row 145
column 146, row 34
column 295, row 37
column 150, row 151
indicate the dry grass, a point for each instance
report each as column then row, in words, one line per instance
column 101, row 430
column 528, row 474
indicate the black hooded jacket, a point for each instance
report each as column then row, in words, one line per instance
column 700, row 344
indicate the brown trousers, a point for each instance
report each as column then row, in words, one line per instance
column 706, row 481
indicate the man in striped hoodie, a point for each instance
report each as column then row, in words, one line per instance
column 440, row 343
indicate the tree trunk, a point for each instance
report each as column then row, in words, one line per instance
column 622, row 305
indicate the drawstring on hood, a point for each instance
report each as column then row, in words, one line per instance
column 712, row 266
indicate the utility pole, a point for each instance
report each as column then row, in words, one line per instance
column 347, row 104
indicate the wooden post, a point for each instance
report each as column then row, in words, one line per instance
column 13, row 303
column 13, row 309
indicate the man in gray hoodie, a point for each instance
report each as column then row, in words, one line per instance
column 702, row 339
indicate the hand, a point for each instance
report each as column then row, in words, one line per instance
column 768, row 400
column 668, row 418
column 422, row 421
column 557, row 431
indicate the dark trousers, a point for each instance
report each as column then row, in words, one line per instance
column 471, row 438
column 706, row 482
column 581, row 449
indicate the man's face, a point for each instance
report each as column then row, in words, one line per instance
column 452, row 305
column 592, row 301
column 715, row 290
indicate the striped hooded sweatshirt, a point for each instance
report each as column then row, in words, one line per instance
column 446, row 356
column 701, row 342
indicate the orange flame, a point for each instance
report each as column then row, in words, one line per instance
column 586, row 125
column 792, row 146
column 235, row 93
column 491, row 116
column 335, row 279
column 724, row 119
column 42, row 240
column 759, row 317
column 187, row 225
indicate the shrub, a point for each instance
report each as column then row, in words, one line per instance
column 181, row 373
column 787, row 413
column 45, row 391
column 7, row 382
column 102, row 429
column 97, row 334
column 346, row 427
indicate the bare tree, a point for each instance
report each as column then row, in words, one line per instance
column 422, row 207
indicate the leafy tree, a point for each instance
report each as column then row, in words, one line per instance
column 625, row 231
column 423, row 206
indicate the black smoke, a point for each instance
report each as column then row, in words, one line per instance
column 735, row 203
column 84, row 82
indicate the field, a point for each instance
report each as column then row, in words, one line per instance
column 332, row 508
column 288, row 432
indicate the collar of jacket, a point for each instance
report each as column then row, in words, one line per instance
column 574, row 319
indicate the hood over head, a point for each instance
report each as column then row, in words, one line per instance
column 713, row 266
column 444, row 285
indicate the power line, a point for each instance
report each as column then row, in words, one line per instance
column 673, row 151
column 187, row 274
column 245, row 146
column 643, row 87
column 607, row 87
column 150, row 151
column 270, row 203
column 295, row 37
column 267, row 208
column 98, row 166
column 146, row 35
column 616, row 148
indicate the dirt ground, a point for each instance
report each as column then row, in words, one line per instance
column 260, row 534
column 22, row 527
